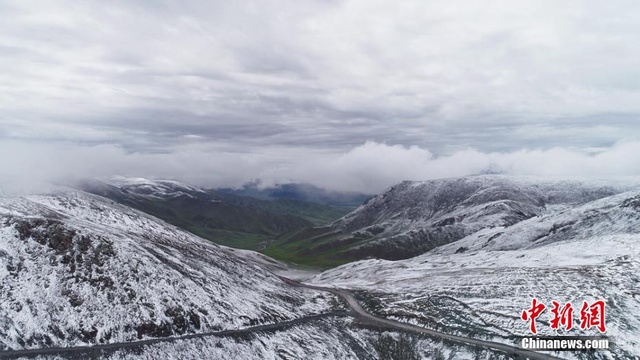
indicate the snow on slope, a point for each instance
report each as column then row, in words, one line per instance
column 413, row 204
column 154, row 188
column 324, row 340
column 618, row 214
column 412, row 218
column 78, row 269
column 482, row 283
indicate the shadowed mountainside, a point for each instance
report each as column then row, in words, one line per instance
column 225, row 219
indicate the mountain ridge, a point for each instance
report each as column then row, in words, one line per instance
column 411, row 218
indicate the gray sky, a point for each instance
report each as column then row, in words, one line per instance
column 350, row 95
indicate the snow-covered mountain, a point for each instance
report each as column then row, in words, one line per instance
column 480, row 284
column 79, row 269
column 155, row 188
column 613, row 215
column 412, row 218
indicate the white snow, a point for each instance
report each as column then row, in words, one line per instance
column 135, row 270
column 570, row 253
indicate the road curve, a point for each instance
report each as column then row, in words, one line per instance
column 361, row 313
column 82, row 352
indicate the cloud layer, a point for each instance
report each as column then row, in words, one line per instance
column 219, row 92
column 368, row 168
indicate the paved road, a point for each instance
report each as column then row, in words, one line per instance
column 97, row 351
column 362, row 314
column 83, row 352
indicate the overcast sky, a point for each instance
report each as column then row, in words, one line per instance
column 349, row 95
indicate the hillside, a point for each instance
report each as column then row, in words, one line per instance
column 412, row 218
column 79, row 269
column 480, row 284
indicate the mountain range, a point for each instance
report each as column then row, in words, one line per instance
column 99, row 274
column 576, row 251
column 414, row 217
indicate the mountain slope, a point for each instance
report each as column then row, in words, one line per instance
column 616, row 214
column 317, row 214
column 224, row 219
column 79, row 269
column 301, row 192
column 414, row 217
column 572, row 254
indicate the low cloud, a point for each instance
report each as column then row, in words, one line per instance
column 370, row 167
column 375, row 166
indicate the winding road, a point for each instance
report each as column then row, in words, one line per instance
column 362, row 314
column 95, row 351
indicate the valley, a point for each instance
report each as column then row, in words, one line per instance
column 220, row 216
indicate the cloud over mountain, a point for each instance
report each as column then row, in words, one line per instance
column 223, row 91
